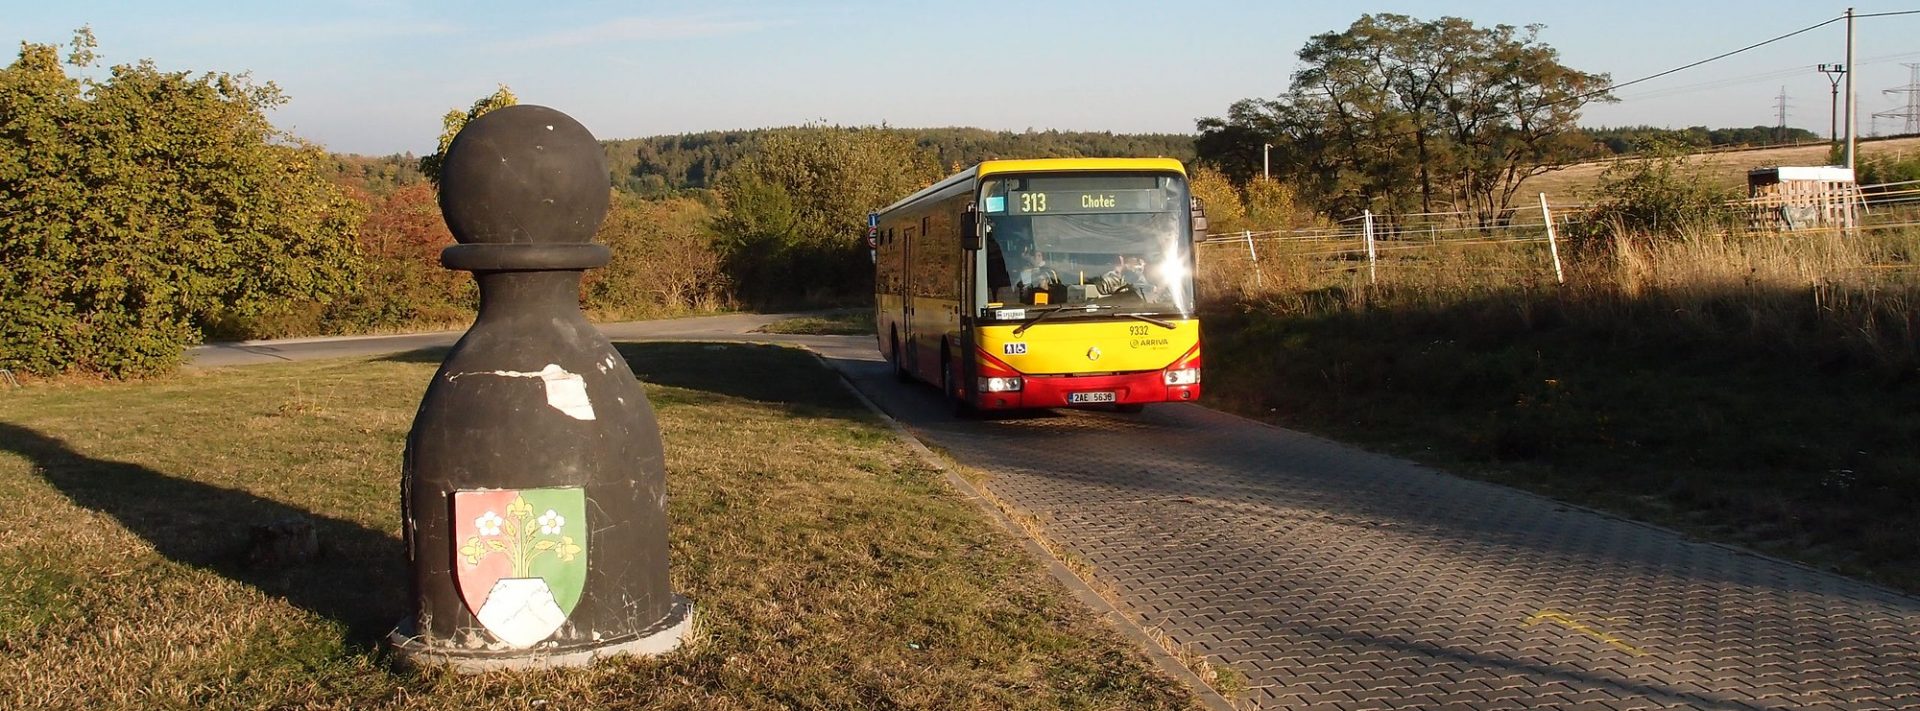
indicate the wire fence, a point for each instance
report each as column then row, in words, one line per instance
column 1533, row 236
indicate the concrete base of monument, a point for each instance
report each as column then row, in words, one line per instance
column 410, row 650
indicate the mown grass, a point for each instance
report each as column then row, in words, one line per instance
column 1756, row 389
column 857, row 322
column 828, row 567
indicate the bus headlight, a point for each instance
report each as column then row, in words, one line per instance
column 1182, row 376
column 999, row 385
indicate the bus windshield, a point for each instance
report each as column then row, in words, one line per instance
column 1117, row 240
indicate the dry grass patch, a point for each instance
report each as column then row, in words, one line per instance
column 829, row 569
column 856, row 322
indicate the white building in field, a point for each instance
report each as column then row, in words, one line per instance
column 1790, row 198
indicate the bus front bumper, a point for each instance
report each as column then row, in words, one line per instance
column 1038, row 391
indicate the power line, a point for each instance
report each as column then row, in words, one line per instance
column 1619, row 85
column 1912, row 112
column 1751, row 78
column 1715, row 84
column 1714, row 58
column 1885, row 57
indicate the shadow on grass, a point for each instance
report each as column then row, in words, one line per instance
column 767, row 374
column 359, row 580
column 783, row 377
column 435, row 354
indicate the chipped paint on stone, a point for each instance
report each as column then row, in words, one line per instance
column 566, row 392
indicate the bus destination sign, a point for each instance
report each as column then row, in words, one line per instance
column 1068, row 202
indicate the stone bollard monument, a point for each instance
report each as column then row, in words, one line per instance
column 533, row 496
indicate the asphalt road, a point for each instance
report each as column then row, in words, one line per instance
column 219, row 355
column 1334, row 578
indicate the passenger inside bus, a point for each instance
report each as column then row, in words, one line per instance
column 1129, row 273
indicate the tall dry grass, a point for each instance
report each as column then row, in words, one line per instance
column 1832, row 295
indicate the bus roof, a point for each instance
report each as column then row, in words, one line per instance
column 1042, row 165
column 1048, row 165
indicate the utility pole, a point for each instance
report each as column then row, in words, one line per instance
column 1833, row 72
column 1780, row 124
column 1912, row 112
column 1853, row 118
column 1266, row 166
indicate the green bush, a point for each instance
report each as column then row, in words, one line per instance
column 663, row 260
column 1884, row 168
column 1661, row 197
column 138, row 210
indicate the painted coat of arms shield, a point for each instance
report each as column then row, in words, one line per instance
column 520, row 559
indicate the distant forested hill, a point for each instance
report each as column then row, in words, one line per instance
column 659, row 165
column 1621, row 140
column 376, row 175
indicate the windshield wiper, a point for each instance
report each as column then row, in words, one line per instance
column 1042, row 316
column 1088, row 308
column 1149, row 319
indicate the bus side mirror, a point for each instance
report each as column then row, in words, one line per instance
column 1198, row 211
column 970, row 228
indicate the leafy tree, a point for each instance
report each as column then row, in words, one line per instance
column 1273, row 205
column 663, row 259
column 1234, row 145
column 401, row 282
column 138, row 209
column 797, row 208
column 454, row 120
column 1394, row 107
column 1225, row 211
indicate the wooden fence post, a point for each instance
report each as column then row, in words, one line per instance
column 1553, row 242
column 1258, row 280
column 1367, row 222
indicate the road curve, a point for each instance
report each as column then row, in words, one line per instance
column 1334, row 578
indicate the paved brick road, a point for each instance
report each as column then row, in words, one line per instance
column 1339, row 579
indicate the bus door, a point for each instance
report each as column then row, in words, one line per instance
column 971, row 254
column 909, row 344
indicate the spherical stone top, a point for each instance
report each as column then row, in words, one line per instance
column 524, row 175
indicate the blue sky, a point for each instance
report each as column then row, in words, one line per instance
column 374, row 77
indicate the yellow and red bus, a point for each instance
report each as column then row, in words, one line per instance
column 1066, row 282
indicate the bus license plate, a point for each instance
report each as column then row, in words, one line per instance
column 1078, row 398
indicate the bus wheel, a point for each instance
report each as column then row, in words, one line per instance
column 1130, row 407
column 899, row 370
column 961, row 408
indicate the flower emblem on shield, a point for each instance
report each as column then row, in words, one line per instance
column 489, row 524
column 521, row 575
